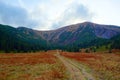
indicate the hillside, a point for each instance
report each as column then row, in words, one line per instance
column 81, row 31
column 71, row 37
column 20, row 39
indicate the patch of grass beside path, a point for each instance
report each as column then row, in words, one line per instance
column 104, row 66
column 38, row 66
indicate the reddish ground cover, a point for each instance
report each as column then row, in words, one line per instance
column 106, row 65
column 82, row 57
column 33, row 58
column 31, row 66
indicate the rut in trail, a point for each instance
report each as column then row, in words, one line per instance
column 76, row 72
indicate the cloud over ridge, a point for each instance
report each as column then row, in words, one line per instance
column 52, row 14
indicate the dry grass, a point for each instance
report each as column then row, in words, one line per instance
column 33, row 66
column 22, row 59
column 105, row 66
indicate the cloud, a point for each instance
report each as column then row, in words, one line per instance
column 15, row 16
column 75, row 13
column 42, row 14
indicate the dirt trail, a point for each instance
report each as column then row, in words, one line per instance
column 76, row 72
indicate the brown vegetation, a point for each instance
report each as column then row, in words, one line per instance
column 32, row 66
column 105, row 66
column 22, row 59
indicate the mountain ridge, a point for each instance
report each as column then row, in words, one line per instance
column 102, row 31
column 76, row 36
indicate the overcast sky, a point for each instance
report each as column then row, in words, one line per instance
column 52, row 14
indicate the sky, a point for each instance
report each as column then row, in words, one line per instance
column 53, row 14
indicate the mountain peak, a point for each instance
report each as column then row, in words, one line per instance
column 87, row 22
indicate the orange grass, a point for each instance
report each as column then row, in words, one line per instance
column 31, row 66
column 21, row 59
column 106, row 66
column 52, row 75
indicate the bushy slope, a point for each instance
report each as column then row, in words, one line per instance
column 13, row 39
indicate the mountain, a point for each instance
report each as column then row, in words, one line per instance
column 75, row 36
column 20, row 39
column 82, row 32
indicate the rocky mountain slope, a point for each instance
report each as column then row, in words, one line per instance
column 81, row 32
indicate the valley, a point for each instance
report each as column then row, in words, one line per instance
column 84, row 51
column 59, row 40
column 57, row 65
